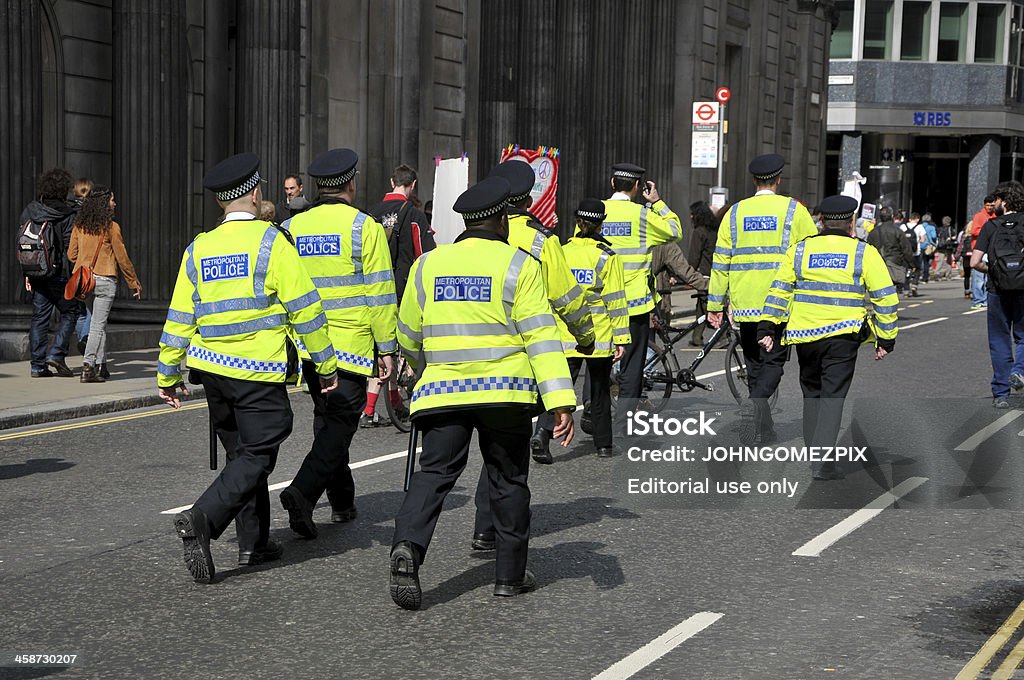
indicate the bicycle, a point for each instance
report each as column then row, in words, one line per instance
column 662, row 372
column 404, row 381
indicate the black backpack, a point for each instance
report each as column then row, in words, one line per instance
column 38, row 250
column 1006, row 253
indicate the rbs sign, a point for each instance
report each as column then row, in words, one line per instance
column 933, row 118
column 462, row 289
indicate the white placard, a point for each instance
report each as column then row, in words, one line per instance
column 451, row 178
column 704, row 149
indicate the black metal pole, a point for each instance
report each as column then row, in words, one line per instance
column 410, row 459
column 213, row 445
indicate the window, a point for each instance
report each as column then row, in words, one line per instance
column 842, row 37
column 917, row 28
column 952, row 31
column 877, row 29
column 988, row 36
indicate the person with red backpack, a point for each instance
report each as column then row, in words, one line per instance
column 41, row 247
column 999, row 253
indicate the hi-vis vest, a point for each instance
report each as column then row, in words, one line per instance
column 240, row 292
column 598, row 271
column 480, row 327
column 752, row 242
column 633, row 230
column 566, row 297
column 820, row 288
column 346, row 254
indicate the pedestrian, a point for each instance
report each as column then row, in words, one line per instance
column 929, row 244
column 999, row 254
column 51, row 210
column 409, row 236
column 749, row 250
column 963, row 255
column 241, row 291
column 671, row 268
column 894, row 248
column 702, row 249
column 633, row 230
column 979, row 279
column 345, row 252
column 909, row 232
column 481, row 330
column 83, row 185
column 294, row 201
column 268, row 212
column 817, row 304
column 96, row 242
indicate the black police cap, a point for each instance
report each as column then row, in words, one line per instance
column 768, row 166
column 838, row 207
column 233, row 177
column 520, row 178
column 482, row 200
column 591, row 209
column 334, row 168
column 627, row 171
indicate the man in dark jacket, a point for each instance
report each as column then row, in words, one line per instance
column 52, row 205
column 408, row 229
column 894, row 247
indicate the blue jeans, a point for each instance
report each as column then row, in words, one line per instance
column 1005, row 338
column 82, row 327
column 979, row 294
column 46, row 295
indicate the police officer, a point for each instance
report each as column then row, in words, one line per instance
column 598, row 270
column 817, row 303
column 346, row 253
column 240, row 290
column 751, row 243
column 633, row 230
column 480, row 326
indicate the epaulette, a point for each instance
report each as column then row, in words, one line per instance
column 528, row 253
column 532, row 221
column 605, row 247
column 284, row 232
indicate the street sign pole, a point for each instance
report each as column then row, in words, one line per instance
column 721, row 141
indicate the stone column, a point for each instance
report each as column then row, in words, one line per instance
column 849, row 160
column 268, row 86
column 21, row 141
column 983, row 171
column 151, row 142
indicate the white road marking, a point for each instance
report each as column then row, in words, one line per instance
column 815, row 546
column 973, row 311
column 984, row 433
column 659, row 647
column 924, row 323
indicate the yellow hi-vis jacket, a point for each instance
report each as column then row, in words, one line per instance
column 480, row 328
column 346, row 253
column 752, row 243
column 240, row 292
column 598, row 271
column 820, row 287
column 632, row 230
column 527, row 233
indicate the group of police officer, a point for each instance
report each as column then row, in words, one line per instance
column 496, row 325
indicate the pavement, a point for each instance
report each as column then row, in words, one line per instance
column 916, row 577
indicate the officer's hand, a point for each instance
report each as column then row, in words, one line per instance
column 650, row 192
column 619, row 351
column 585, row 350
column 767, row 343
column 170, row 394
column 880, row 353
column 715, row 319
column 385, row 367
column 565, row 428
column 28, row 285
column 328, row 383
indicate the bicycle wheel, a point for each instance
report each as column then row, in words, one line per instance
column 399, row 412
column 736, row 372
column 657, row 382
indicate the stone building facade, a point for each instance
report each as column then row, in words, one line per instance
column 147, row 94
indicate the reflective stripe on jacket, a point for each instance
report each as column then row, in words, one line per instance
column 632, row 230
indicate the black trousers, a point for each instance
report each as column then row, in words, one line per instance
column 599, row 371
column 252, row 419
column 335, row 421
column 631, row 367
column 505, row 444
column 764, row 373
column 826, row 373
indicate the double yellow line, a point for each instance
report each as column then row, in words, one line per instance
column 995, row 643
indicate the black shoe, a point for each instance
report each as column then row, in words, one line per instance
column 1017, row 381
column 405, row 581
column 368, row 420
column 45, row 373
column 89, row 375
column 300, row 512
column 82, row 344
column 540, row 447
column 61, row 368
column 766, row 437
column 271, row 552
column 194, row 531
column 483, row 541
column 104, row 372
column 586, row 420
column 606, row 452
column 529, row 583
column 343, row 516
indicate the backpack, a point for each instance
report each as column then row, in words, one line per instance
column 1006, row 254
column 38, row 250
